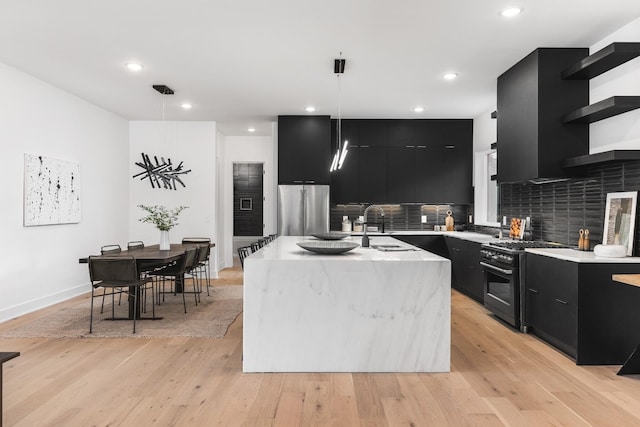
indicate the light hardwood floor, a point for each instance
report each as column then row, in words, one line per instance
column 498, row 377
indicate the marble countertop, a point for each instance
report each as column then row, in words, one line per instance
column 575, row 255
column 285, row 248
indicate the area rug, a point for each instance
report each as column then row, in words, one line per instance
column 210, row 318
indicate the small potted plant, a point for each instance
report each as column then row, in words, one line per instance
column 164, row 219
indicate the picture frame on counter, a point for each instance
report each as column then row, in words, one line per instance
column 620, row 219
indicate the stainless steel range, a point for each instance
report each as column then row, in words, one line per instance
column 503, row 270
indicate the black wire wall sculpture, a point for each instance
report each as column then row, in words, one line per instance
column 161, row 173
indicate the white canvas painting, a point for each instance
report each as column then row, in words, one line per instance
column 51, row 191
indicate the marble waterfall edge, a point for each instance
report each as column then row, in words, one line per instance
column 364, row 311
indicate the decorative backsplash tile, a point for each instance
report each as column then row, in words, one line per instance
column 559, row 210
column 402, row 217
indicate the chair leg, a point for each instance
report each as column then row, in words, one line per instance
column 91, row 313
column 135, row 305
column 184, row 301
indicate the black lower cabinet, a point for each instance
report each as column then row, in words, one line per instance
column 579, row 309
column 466, row 274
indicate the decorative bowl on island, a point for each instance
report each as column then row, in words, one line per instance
column 332, row 235
column 327, row 247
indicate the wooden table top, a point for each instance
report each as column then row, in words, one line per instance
column 152, row 253
column 628, row 279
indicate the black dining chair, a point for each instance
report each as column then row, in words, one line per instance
column 243, row 252
column 106, row 250
column 206, row 263
column 177, row 273
column 116, row 273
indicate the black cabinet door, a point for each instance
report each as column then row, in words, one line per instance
column 402, row 133
column 372, row 174
column 304, row 149
column 552, row 301
column 401, row 175
column 475, row 285
column 372, row 133
column 457, row 254
column 430, row 184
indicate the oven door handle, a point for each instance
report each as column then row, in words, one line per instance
column 493, row 267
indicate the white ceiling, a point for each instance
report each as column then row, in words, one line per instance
column 242, row 63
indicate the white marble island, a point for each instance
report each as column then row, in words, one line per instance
column 362, row 311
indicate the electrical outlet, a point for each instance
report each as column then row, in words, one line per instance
column 424, row 219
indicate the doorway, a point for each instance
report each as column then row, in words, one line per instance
column 248, row 203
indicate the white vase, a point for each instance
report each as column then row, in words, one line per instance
column 164, row 240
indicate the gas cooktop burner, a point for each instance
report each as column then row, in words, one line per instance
column 521, row 245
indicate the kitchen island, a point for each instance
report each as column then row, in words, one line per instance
column 366, row 310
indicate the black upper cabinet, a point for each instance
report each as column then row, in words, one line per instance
column 372, row 174
column 405, row 161
column 532, row 98
column 304, row 149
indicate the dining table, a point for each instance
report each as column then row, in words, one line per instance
column 145, row 257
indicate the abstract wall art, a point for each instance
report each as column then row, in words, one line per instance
column 161, row 173
column 51, row 191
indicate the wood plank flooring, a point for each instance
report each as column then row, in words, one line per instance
column 499, row 377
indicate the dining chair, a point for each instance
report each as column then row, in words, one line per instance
column 177, row 272
column 116, row 273
column 243, row 252
column 201, row 270
column 106, row 250
column 255, row 247
column 202, row 241
column 135, row 244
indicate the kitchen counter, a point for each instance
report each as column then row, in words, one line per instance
column 362, row 311
column 464, row 235
column 575, row 255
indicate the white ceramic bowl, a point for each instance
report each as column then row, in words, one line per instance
column 610, row 251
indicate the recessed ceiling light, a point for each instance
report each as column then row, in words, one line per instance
column 511, row 11
column 132, row 66
column 251, row 130
column 418, row 109
column 450, row 76
column 310, row 109
column 186, row 105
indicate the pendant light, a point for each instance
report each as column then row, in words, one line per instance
column 341, row 149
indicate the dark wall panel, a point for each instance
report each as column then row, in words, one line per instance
column 247, row 185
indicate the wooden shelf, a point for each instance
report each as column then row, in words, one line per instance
column 604, row 109
column 607, row 156
column 602, row 61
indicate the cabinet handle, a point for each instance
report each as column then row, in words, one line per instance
column 309, row 182
column 298, row 182
column 364, row 146
column 410, row 146
column 561, row 301
column 533, row 291
column 421, row 146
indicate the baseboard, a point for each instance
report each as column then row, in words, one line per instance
column 42, row 302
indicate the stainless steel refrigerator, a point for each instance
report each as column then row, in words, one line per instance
column 303, row 209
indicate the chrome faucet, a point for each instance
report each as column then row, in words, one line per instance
column 365, row 238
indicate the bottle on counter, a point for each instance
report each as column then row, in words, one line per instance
column 357, row 224
column 346, row 224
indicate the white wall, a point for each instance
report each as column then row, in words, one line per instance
column 193, row 143
column 621, row 132
column 259, row 149
column 40, row 264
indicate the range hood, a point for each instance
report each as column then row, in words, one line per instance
column 533, row 141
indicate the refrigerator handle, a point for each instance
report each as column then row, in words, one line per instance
column 303, row 211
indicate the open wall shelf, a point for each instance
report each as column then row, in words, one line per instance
column 604, row 157
column 604, row 109
column 602, row 61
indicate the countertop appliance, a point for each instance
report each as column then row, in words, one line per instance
column 504, row 279
column 303, row 209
